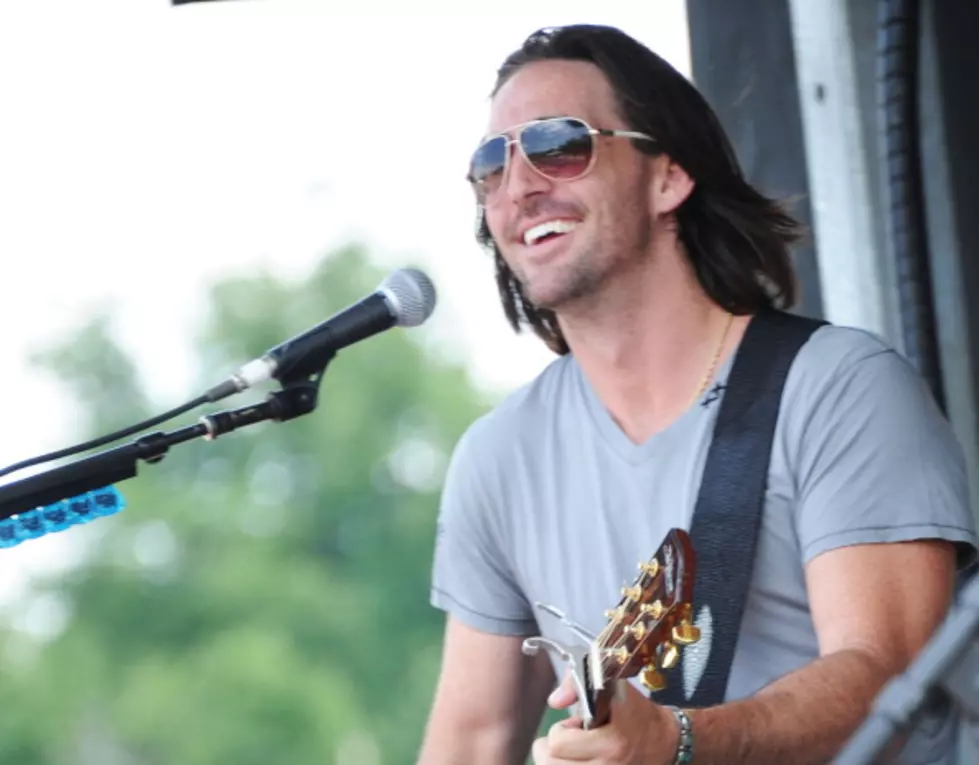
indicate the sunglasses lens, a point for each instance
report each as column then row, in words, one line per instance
column 560, row 148
column 486, row 166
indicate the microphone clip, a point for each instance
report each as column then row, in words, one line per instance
column 298, row 395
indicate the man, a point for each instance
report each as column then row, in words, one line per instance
column 625, row 236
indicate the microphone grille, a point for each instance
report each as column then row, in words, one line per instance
column 411, row 296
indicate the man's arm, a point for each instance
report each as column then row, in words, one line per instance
column 881, row 512
column 489, row 700
column 873, row 607
column 880, row 481
column 490, row 697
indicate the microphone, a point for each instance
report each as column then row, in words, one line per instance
column 406, row 298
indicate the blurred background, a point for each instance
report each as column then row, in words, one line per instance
column 182, row 187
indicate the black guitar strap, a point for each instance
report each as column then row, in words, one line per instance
column 729, row 505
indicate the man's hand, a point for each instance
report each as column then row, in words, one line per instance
column 639, row 732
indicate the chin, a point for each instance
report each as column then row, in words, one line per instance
column 551, row 297
column 562, row 289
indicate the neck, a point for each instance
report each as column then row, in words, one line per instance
column 648, row 347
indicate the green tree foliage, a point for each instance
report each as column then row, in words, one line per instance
column 263, row 598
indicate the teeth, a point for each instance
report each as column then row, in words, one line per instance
column 532, row 235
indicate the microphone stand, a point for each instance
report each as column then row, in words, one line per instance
column 298, row 397
column 948, row 665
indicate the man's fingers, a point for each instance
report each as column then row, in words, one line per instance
column 568, row 742
column 539, row 752
column 564, row 695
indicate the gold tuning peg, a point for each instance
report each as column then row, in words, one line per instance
column 620, row 654
column 685, row 633
column 670, row 655
column 633, row 593
column 654, row 609
column 636, row 629
column 651, row 567
column 653, row 679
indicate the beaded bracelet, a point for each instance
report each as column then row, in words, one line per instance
column 684, row 749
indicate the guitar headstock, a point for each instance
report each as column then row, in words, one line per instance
column 642, row 636
column 652, row 620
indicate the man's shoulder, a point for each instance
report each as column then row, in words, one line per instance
column 846, row 375
column 510, row 432
column 839, row 346
column 836, row 355
column 521, row 412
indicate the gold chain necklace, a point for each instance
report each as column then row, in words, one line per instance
column 713, row 364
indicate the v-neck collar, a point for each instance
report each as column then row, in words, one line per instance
column 615, row 437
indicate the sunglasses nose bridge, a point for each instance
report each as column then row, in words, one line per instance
column 521, row 177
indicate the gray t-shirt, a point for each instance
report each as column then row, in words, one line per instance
column 547, row 500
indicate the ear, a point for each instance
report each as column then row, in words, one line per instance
column 671, row 186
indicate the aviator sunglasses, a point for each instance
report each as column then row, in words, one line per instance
column 558, row 148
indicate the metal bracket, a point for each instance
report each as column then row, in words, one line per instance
column 575, row 657
column 576, row 628
column 581, row 660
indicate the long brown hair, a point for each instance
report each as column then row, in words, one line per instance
column 738, row 240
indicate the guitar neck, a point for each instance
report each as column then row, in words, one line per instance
column 598, row 700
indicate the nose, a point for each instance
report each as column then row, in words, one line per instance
column 522, row 180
